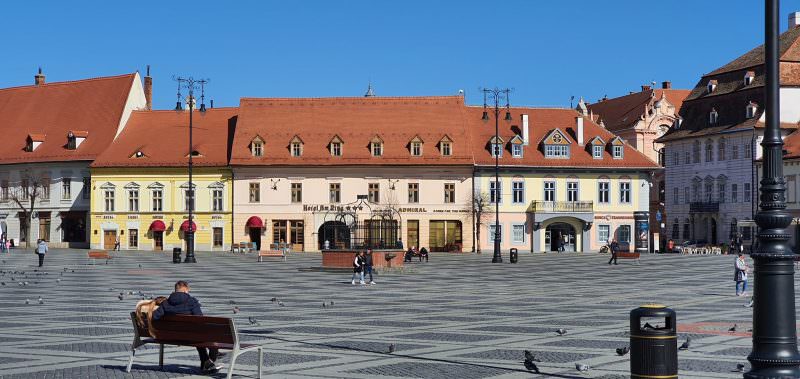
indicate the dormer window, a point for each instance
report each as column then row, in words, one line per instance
column 257, row 146
column 34, row 140
column 496, row 147
column 138, row 154
column 597, row 152
column 617, row 152
column 617, row 148
column 516, row 146
column 296, row 146
column 75, row 138
column 712, row 85
column 713, row 117
column 751, row 110
column 376, row 146
column 335, row 146
column 556, row 145
column 415, row 146
column 446, row 146
column 749, row 77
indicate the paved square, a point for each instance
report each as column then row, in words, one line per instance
column 458, row 316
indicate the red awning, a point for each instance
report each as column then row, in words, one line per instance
column 254, row 222
column 185, row 226
column 158, row 226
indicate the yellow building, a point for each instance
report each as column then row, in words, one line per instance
column 140, row 185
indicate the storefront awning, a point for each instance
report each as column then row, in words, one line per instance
column 185, row 226
column 158, row 226
column 254, row 222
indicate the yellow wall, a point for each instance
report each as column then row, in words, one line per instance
column 173, row 213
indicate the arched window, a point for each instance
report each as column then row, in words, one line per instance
column 676, row 229
column 709, row 151
column 686, row 233
column 696, row 152
column 713, row 117
column 721, row 149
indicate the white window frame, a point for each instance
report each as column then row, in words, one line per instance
column 518, row 192
column 66, row 188
column 133, row 199
column 514, row 228
column 217, row 202
column 490, row 228
column 376, row 148
column 618, row 151
column 516, row 150
column 603, row 191
column 416, row 149
column 496, row 189
column 549, row 187
column 297, row 149
column 336, row 149
column 447, row 149
column 600, row 237
column 597, row 152
column 497, row 150
column 625, row 192
column 258, row 149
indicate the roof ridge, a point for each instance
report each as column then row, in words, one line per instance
column 360, row 98
column 174, row 111
column 53, row 84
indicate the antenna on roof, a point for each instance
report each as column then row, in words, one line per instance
column 370, row 92
column 571, row 98
column 148, row 70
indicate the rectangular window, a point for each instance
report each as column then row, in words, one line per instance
column 518, row 192
column 109, row 200
column 87, row 185
column 217, row 204
column 335, row 192
column 188, row 196
column 709, row 192
column 66, row 188
column 447, row 150
column 449, row 193
column 748, row 150
column 686, row 197
column 675, row 193
column 497, row 150
column 4, row 190
column 550, row 191
column 297, row 192
column 735, row 152
column 158, row 200
column 617, row 152
column 687, row 157
column 45, row 189
column 217, row 237
column 696, row 192
column 492, row 233
column 791, row 191
column 675, row 160
column 133, row 200
column 603, row 233
column 297, row 149
column 556, row 151
column 624, row 234
column 597, row 152
column 133, row 238
column 746, row 196
column 255, row 192
column 516, row 150
column 258, row 149
column 721, row 192
column 413, row 193
column 416, row 149
column 374, row 192
column 734, row 193
column 495, row 192
column 336, row 149
column 377, row 149
column 26, row 190
column 518, row 233
column 625, row 192
column 572, row 191
column 603, row 192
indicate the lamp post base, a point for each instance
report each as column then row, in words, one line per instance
column 190, row 248
column 497, row 257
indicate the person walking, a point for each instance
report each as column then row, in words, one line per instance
column 358, row 268
column 116, row 244
column 368, row 266
column 41, row 250
column 613, row 247
column 181, row 302
column 740, row 274
column 3, row 243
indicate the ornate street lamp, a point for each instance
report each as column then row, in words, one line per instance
column 774, row 352
column 191, row 84
column 496, row 95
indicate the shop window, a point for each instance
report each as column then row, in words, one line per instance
column 624, row 234
column 217, row 237
column 603, row 233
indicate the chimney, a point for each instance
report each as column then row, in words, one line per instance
column 212, row 103
column 579, row 129
column 148, row 90
column 645, row 88
column 666, row 85
column 794, row 20
column 525, row 134
column 39, row 78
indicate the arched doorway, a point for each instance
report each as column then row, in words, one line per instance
column 337, row 233
column 255, row 227
column 713, row 226
column 560, row 236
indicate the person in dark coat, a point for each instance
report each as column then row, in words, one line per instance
column 423, row 253
column 181, row 303
column 358, row 268
column 409, row 254
column 614, row 249
column 368, row 266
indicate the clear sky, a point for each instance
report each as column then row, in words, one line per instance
column 546, row 51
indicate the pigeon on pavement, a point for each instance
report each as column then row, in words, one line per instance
column 732, row 328
column 531, row 366
column 391, row 348
column 685, row 345
column 121, row 296
column 561, row 331
column 235, row 310
column 740, row 367
column 252, row 320
column 622, row 350
column 41, row 301
column 530, row 357
column 582, row 368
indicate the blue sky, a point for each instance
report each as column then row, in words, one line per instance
column 546, row 51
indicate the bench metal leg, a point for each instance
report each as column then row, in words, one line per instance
column 130, row 360
column 234, row 355
column 161, row 356
column 259, row 258
column 260, row 361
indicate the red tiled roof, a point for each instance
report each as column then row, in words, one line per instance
column 53, row 109
column 79, row 133
column 789, row 51
column 356, row 121
column 163, row 138
column 792, row 145
column 541, row 122
column 624, row 111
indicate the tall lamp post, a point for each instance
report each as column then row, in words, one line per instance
column 496, row 95
column 191, row 84
column 774, row 352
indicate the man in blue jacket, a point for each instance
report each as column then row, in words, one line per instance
column 181, row 303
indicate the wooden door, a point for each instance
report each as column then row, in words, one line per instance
column 109, row 239
column 158, row 238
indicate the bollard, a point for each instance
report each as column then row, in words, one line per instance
column 654, row 342
column 513, row 255
column 176, row 255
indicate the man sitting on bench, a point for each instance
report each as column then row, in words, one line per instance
column 181, row 303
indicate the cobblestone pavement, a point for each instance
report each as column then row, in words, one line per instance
column 458, row 316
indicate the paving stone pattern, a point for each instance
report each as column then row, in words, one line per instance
column 458, row 316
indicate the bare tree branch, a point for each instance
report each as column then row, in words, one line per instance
column 481, row 207
column 25, row 195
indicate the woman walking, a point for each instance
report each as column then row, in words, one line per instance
column 358, row 268
column 41, row 250
column 740, row 274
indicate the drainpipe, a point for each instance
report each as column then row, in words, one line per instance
column 472, row 207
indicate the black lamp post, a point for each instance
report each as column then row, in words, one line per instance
column 190, row 83
column 774, row 352
column 497, row 95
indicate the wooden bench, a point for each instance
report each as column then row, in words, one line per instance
column 628, row 255
column 93, row 255
column 193, row 331
column 272, row 253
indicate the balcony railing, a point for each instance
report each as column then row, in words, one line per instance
column 704, row 206
column 561, row 206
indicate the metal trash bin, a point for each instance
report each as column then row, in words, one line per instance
column 176, row 255
column 514, row 255
column 654, row 342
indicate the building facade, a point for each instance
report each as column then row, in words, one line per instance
column 710, row 155
column 140, row 185
column 565, row 182
column 52, row 132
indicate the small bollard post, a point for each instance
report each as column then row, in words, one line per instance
column 654, row 342
column 513, row 255
column 176, row 255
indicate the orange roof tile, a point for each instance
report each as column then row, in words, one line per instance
column 624, row 111
column 93, row 105
column 163, row 138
